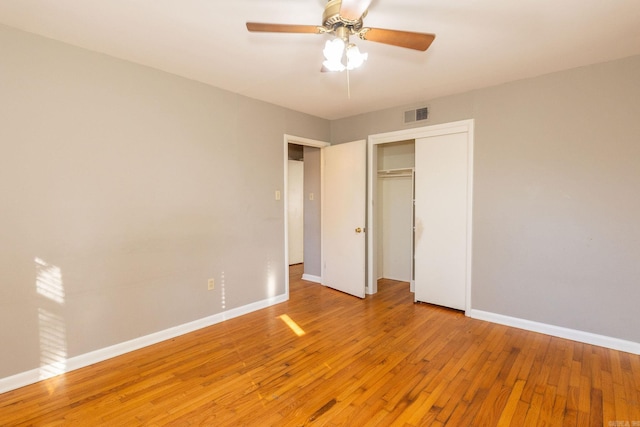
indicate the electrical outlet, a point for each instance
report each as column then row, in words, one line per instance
column 210, row 284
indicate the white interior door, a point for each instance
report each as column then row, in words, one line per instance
column 343, row 217
column 441, row 220
column 295, row 211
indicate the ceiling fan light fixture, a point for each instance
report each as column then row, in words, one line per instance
column 354, row 57
column 334, row 50
column 338, row 52
column 333, row 53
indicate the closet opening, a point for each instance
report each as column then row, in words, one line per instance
column 395, row 211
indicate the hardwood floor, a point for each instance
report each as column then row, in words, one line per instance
column 379, row 361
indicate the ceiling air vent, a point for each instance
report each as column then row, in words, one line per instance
column 416, row 115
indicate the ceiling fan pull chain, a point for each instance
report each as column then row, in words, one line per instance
column 348, row 85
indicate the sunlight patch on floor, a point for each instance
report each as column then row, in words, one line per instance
column 291, row 324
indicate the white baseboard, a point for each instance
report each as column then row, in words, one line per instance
column 29, row 377
column 557, row 331
column 311, row 278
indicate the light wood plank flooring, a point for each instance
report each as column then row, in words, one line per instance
column 379, row 361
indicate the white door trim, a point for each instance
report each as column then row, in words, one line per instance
column 403, row 135
column 292, row 139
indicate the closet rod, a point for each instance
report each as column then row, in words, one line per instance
column 395, row 175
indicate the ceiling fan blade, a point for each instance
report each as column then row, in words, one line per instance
column 352, row 10
column 408, row 39
column 283, row 28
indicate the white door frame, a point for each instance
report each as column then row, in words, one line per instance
column 291, row 139
column 372, row 161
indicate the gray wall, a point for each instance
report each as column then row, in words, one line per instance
column 312, row 212
column 556, row 226
column 123, row 190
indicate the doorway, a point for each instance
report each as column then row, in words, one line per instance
column 307, row 155
column 295, row 203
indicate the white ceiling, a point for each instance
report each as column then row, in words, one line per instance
column 478, row 43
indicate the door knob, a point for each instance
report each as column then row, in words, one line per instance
column 358, row 230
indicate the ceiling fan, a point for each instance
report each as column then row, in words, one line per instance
column 343, row 18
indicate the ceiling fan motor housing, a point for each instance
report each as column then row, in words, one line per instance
column 332, row 20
